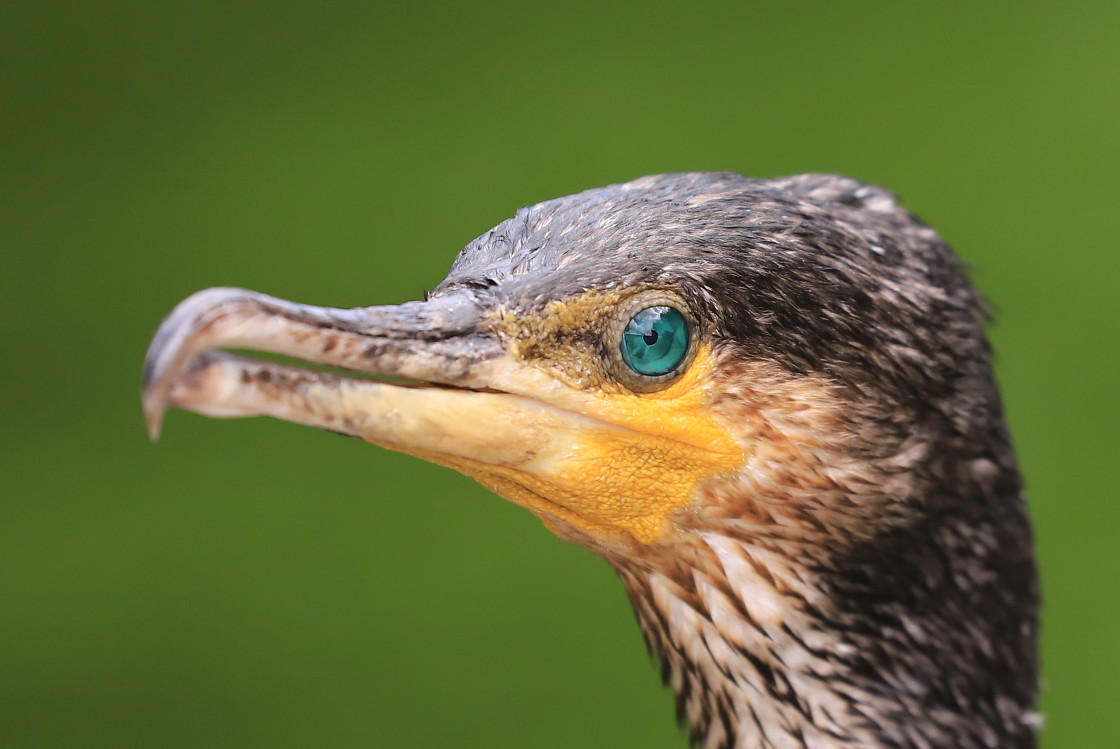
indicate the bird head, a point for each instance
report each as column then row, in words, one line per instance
column 768, row 404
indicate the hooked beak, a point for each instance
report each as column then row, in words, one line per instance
column 447, row 405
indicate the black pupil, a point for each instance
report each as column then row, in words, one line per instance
column 650, row 338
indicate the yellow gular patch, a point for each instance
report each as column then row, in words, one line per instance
column 619, row 475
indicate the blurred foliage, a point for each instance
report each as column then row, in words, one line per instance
column 255, row 583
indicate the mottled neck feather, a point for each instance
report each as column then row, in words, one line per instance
column 865, row 580
column 760, row 657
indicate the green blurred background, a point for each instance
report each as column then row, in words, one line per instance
column 252, row 583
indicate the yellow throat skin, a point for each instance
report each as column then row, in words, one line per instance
column 615, row 466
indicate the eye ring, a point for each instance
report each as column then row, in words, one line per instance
column 651, row 340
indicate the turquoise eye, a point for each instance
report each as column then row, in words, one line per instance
column 655, row 341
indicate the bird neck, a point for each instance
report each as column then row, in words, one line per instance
column 747, row 671
column 762, row 652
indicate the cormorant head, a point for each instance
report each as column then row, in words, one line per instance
column 774, row 394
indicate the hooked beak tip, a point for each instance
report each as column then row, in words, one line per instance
column 153, row 415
